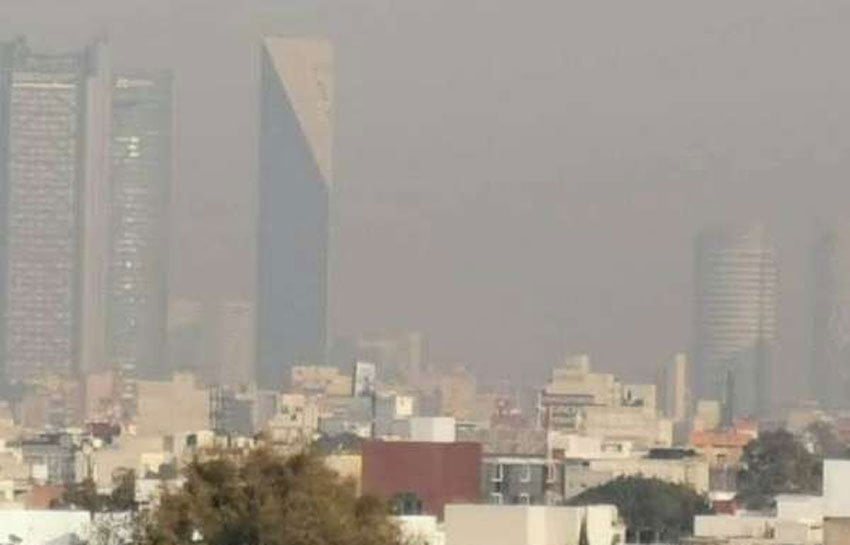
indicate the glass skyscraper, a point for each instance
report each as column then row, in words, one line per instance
column 830, row 369
column 735, row 321
column 140, row 191
column 296, row 128
column 53, row 185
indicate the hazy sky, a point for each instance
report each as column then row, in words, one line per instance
column 517, row 179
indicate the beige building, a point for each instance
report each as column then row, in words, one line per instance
column 575, row 379
column 128, row 452
column 674, row 392
column 320, row 380
column 691, row 471
column 296, row 422
column 531, row 525
column 458, row 393
column 169, row 408
column 641, row 426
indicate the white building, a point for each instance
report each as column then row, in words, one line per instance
column 37, row 527
column 420, row 530
column 433, row 429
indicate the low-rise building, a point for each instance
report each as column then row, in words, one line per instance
column 689, row 470
column 176, row 406
column 521, row 480
column 320, row 380
column 724, row 447
column 532, row 525
column 433, row 429
column 295, row 423
column 53, row 458
column 436, row 473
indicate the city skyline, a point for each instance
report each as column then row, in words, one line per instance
column 428, row 273
column 621, row 163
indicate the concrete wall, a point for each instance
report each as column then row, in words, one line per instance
column 732, row 526
column 799, row 507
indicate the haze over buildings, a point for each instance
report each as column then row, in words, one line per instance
column 569, row 166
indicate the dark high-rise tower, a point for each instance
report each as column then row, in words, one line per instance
column 830, row 370
column 735, row 322
column 54, row 165
column 141, row 182
column 294, row 186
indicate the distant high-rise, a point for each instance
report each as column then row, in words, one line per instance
column 735, row 319
column 54, row 164
column 296, row 128
column 830, row 369
column 230, row 345
column 141, row 181
column 400, row 355
column 674, row 396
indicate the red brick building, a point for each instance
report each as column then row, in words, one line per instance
column 438, row 473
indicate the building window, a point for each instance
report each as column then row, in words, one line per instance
column 525, row 473
column 524, row 499
column 499, row 473
column 496, row 498
column 551, row 473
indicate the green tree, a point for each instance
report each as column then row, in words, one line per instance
column 824, row 442
column 263, row 499
column 123, row 495
column 82, row 495
column 777, row 463
column 653, row 506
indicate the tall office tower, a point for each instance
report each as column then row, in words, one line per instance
column 54, row 163
column 141, row 181
column 830, row 370
column 674, row 396
column 735, row 319
column 294, row 178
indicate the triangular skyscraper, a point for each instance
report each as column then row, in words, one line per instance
column 296, row 129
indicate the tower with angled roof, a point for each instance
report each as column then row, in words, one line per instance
column 295, row 173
